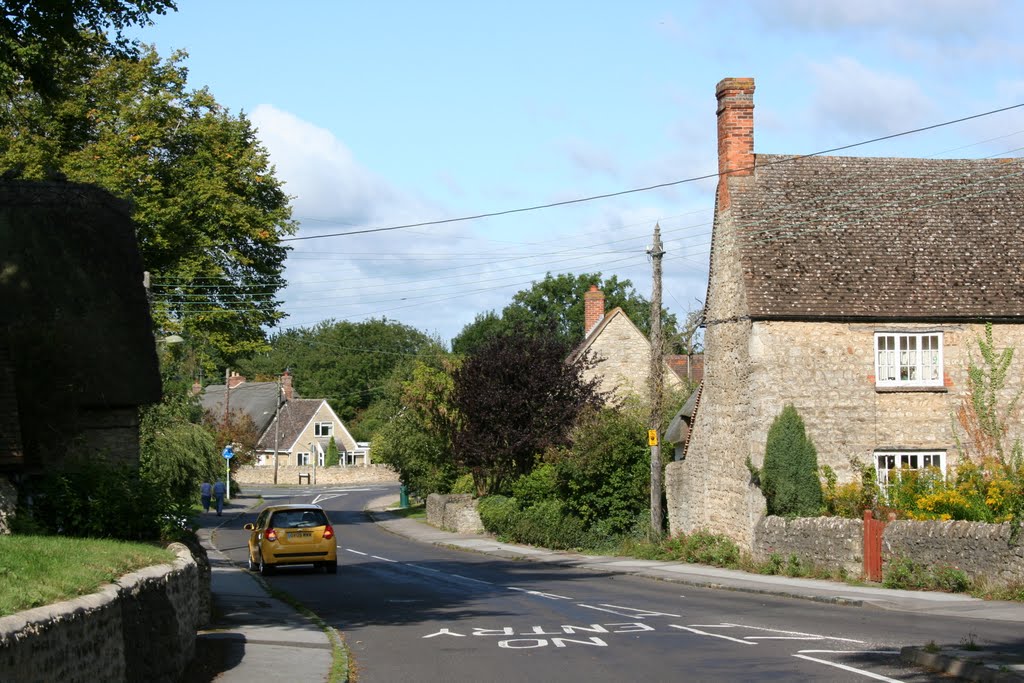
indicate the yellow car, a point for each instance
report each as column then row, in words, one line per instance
column 292, row 534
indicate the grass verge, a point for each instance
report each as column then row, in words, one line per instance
column 42, row 570
column 411, row 512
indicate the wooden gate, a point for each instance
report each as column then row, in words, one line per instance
column 873, row 530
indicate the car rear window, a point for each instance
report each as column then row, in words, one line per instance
column 297, row 519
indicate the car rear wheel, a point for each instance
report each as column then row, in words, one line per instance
column 331, row 567
column 265, row 569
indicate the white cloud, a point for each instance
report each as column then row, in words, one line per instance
column 856, row 99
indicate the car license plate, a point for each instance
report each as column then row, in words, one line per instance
column 300, row 534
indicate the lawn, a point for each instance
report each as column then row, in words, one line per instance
column 42, row 570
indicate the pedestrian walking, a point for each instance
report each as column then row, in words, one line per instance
column 218, row 495
column 205, row 490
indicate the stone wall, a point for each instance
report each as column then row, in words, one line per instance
column 979, row 550
column 333, row 476
column 141, row 628
column 982, row 551
column 455, row 512
column 826, row 542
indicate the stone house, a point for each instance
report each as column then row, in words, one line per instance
column 621, row 351
column 855, row 289
column 297, row 429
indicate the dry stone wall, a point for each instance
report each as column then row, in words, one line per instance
column 8, row 504
column 827, row 542
column 455, row 512
column 982, row 551
column 334, row 476
column 141, row 628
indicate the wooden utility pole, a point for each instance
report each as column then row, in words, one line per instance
column 655, row 381
column 277, row 426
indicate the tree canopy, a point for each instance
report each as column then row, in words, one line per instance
column 554, row 305
column 347, row 363
column 209, row 211
column 515, row 396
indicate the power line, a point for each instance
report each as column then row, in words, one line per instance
column 647, row 188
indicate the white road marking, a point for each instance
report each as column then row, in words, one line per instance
column 713, row 635
column 327, row 497
column 788, row 633
column 467, row 578
column 383, row 559
column 877, row 677
column 426, row 569
column 629, row 611
column 356, row 552
column 549, row 596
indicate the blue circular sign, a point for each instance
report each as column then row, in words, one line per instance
column 229, row 452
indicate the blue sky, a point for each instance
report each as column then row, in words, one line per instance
column 386, row 113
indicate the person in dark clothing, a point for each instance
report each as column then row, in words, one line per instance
column 218, row 495
column 205, row 491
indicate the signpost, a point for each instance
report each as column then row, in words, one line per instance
column 229, row 452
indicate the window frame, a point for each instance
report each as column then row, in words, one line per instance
column 919, row 367
column 323, row 429
column 302, row 458
column 902, row 460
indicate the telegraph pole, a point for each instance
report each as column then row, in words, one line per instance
column 655, row 381
column 277, row 426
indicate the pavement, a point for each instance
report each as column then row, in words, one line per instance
column 262, row 633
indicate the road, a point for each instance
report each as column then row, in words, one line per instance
column 416, row 612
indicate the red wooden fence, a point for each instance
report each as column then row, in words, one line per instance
column 873, row 529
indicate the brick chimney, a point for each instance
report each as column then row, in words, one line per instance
column 735, row 132
column 593, row 309
column 286, row 386
column 235, row 379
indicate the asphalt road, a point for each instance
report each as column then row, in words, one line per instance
column 415, row 612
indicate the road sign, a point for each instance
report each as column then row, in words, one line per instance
column 229, row 452
column 652, row 437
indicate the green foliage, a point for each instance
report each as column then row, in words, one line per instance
column 331, row 457
column 852, row 498
column 498, row 514
column 604, row 476
column 554, row 306
column 550, row 525
column 538, row 485
column 463, row 484
column 902, row 572
column 789, row 477
column 347, row 363
column 699, row 547
column 422, row 458
column 209, row 212
column 515, row 397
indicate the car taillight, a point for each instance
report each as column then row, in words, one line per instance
column 270, row 535
column 328, row 532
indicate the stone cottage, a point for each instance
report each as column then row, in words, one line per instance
column 855, row 289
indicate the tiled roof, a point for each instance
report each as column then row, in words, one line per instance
column 880, row 238
column 255, row 399
column 295, row 415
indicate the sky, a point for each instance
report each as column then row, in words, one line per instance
column 385, row 114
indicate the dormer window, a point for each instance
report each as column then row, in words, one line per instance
column 323, row 428
column 905, row 359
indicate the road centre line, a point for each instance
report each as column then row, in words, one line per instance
column 844, row 667
column 467, row 578
column 383, row 559
column 356, row 552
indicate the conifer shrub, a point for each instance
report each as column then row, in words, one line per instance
column 789, row 477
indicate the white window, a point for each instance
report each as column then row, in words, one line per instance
column 302, row 458
column 889, row 464
column 908, row 359
column 323, row 428
column 320, row 459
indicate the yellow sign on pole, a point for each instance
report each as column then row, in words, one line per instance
column 652, row 437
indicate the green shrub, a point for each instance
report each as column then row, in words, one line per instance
column 789, row 477
column 902, row 572
column 498, row 514
column 464, row 484
column 539, row 485
column 773, row 566
column 950, row 579
column 549, row 525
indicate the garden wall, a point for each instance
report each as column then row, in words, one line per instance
column 455, row 512
column 333, row 476
column 982, row 551
column 140, row 628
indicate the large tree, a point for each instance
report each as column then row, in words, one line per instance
column 345, row 362
column 209, row 210
column 38, row 36
column 516, row 396
column 554, row 305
